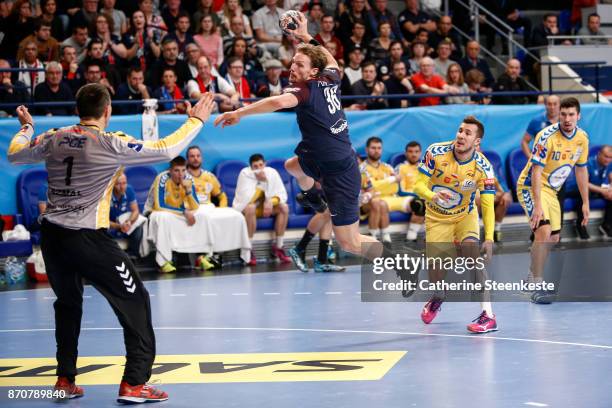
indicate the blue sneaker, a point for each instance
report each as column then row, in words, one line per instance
column 543, row 297
column 331, row 254
column 320, row 267
column 298, row 259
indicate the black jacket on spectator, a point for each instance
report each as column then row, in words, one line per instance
column 169, row 19
column 124, row 92
column 74, row 81
column 181, row 69
column 482, row 65
column 109, row 71
column 360, row 88
column 42, row 93
column 262, row 88
column 418, row 18
column 345, row 27
column 435, row 38
column 17, row 93
column 345, row 90
column 14, row 31
column 539, row 34
column 394, row 87
column 506, row 84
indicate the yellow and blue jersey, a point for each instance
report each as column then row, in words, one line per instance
column 460, row 179
column 557, row 153
column 207, row 186
column 377, row 177
column 165, row 195
column 408, row 176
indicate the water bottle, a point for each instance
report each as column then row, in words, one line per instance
column 150, row 127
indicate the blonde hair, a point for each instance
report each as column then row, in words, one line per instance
column 318, row 58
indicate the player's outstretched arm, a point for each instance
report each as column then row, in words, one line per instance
column 22, row 149
column 267, row 105
column 582, row 179
column 131, row 151
column 301, row 33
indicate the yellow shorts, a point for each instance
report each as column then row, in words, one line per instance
column 448, row 232
column 259, row 210
column 397, row 203
column 550, row 205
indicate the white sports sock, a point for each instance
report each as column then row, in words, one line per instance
column 486, row 306
column 374, row 233
column 280, row 241
column 386, row 236
column 414, row 227
column 498, row 226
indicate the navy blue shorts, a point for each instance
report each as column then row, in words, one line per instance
column 341, row 183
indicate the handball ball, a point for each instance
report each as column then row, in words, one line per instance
column 289, row 21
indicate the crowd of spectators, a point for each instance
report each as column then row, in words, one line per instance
column 176, row 49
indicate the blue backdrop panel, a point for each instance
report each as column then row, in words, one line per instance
column 276, row 135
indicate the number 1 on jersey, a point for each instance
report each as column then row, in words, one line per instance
column 69, row 161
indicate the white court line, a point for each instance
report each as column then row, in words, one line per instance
column 18, row 299
column 49, row 298
column 333, row 293
column 397, row 333
column 208, row 294
column 177, row 295
column 536, row 404
column 302, row 293
column 86, row 297
column 240, row 294
column 271, row 293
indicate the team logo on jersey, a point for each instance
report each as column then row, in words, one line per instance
column 468, row 185
column 540, row 151
column 137, row 147
column 339, row 126
column 430, row 163
column 489, row 184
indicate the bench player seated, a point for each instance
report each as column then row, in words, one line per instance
column 260, row 192
column 381, row 197
column 124, row 214
column 503, row 199
column 208, row 190
column 407, row 172
column 173, row 192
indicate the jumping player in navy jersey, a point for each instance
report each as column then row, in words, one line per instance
column 325, row 153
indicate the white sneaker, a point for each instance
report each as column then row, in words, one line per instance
column 411, row 235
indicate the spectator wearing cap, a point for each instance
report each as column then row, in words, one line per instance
column 314, row 16
column 53, row 90
column 399, row 83
column 379, row 14
column 412, row 19
column 10, row 91
column 272, row 84
column 512, row 81
column 326, row 35
column 368, row 85
column 265, row 24
column 358, row 38
column 346, row 23
column 48, row 47
column 79, row 41
column 446, row 32
column 353, row 70
column 472, row 60
column 428, row 82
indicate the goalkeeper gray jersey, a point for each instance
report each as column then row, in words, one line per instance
column 83, row 164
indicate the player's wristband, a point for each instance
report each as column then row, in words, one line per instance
column 314, row 42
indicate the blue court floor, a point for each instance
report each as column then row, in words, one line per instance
column 288, row 339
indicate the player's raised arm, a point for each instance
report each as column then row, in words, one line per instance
column 301, row 33
column 22, row 149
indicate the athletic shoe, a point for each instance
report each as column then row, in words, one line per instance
column 203, row 263
column 331, row 254
column 253, row 260
column 543, row 297
column 321, row 267
column 279, row 253
column 168, row 267
column 314, row 201
column 606, row 231
column 298, row 259
column 67, row 389
column 497, row 236
column 582, row 232
column 431, row 309
column 411, row 235
column 138, row 394
column 483, row 324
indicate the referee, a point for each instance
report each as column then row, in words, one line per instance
column 83, row 163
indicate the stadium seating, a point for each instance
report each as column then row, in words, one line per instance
column 396, row 159
column 29, row 183
column 140, row 178
column 227, row 172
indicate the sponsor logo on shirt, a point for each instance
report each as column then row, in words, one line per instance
column 339, row 126
column 468, row 185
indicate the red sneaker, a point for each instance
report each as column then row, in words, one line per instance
column 138, row 394
column 431, row 309
column 69, row 389
column 279, row 253
column 483, row 324
column 253, row 260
